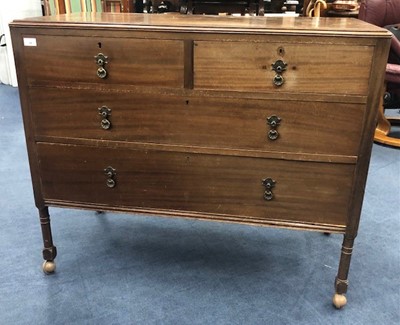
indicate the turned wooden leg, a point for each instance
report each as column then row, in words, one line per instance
column 341, row 282
column 49, row 250
column 383, row 125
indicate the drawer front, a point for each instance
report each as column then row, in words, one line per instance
column 307, row 127
column 221, row 185
column 311, row 68
column 141, row 62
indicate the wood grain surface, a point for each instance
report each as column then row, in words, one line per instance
column 217, row 184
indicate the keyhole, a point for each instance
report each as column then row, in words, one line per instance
column 99, row 44
column 281, row 51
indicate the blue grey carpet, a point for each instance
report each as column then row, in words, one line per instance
column 132, row 269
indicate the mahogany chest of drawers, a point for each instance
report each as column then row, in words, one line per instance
column 257, row 120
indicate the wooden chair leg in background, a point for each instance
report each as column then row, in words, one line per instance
column 383, row 128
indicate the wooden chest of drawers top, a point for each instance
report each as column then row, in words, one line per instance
column 208, row 24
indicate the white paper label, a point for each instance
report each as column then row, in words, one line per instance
column 29, row 41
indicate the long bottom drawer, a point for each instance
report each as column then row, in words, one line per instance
column 203, row 183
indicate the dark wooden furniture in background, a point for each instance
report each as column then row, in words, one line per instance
column 387, row 13
column 331, row 8
column 117, row 5
column 214, row 7
column 342, row 14
column 216, row 118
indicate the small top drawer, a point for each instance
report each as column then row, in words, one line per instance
column 300, row 67
column 140, row 62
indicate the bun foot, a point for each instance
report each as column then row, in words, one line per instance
column 339, row 300
column 49, row 267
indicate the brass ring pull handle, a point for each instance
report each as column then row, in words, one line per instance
column 273, row 121
column 110, row 183
column 273, row 135
column 101, row 60
column 268, row 195
column 269, row 184
column 110, row 173
column 101, row 73
column 278, row 80
column 105, row 112
column 279, row 67
column 105, row 124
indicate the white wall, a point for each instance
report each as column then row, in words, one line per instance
column 10, row 10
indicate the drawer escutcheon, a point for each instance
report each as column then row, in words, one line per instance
column 101, row 60
column 269, row 184
column 110, row 172
column 279, row 66
column 105, row 112
column 273, row 121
